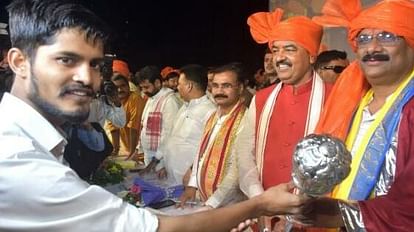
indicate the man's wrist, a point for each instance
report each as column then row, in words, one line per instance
column 259, row 206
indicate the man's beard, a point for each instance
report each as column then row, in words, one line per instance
column 50, row 110
column 153, row 93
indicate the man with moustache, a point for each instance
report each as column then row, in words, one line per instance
column 158, row 117
column 280, row 115
column 125, row 139
column 56, row 62
column 121, row 67
column 372, row 108
column 214, row 173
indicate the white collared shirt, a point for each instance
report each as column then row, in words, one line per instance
column 183, row 143
column 39, row 193
column 366, row 121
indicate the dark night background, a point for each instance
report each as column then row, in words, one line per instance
column 176, row 33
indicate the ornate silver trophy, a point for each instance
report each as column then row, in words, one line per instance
column 319, row 163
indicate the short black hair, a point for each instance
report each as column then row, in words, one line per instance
column 150, row 73
column 172, row 75
column 235, row 67
column 327, row 56
column 197, row 74
column 34, row 23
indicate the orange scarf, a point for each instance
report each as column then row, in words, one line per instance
column 214, row 167
column 395, row 16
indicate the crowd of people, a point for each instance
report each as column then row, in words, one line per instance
column 226, row 137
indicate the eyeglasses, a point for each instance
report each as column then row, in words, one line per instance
column 384, row 38
column 337, row 69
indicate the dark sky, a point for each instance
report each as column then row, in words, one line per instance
column 179, row 32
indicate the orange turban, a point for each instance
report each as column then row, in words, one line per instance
column 267, row 27
column 395, row 16
column 121, row 67
column 165, row 71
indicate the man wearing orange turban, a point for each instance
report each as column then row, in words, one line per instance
column 121, row 67
column 280, row 115
column 372, row 109
column 124, row 139
column 164, row 72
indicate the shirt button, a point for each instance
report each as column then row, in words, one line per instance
column 287, row 144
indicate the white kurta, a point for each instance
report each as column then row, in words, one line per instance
column 249, row 176
column 183, row 143
column 169, row 111
column 39, row 193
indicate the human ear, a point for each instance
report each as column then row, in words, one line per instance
column 18, row 62
column 312, row 59
column 190, row 86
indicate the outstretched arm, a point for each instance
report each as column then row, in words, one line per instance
column 276, row 200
